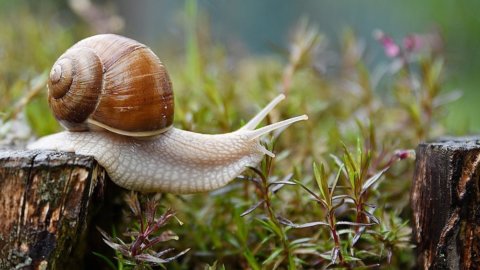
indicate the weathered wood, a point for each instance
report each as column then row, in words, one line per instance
column 445, row 199
column 46, row 201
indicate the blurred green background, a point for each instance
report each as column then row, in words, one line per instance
column 34, row 33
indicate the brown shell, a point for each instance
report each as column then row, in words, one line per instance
column 113, row 82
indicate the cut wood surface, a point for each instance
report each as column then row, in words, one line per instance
column 46, row 201
column 445, row 200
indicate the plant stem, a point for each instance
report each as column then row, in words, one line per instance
column 271, row 214
column 336, row 238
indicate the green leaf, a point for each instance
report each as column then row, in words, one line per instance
column 318, row 178
column 272, row 256
column 157, row 260
column 105, row 259
column 354, row 223
column 287, row 222
column 339, row 163
column 315, row 196
column 308, row 190
column 350, row 166
column 334, row 184
column 359, row 152
column 311, row 224
column 301, row 241
column 351, row 258
column 373, row 218
column 269, row 225
column 279, row 261
column 251, row 260
column 322, row 182
column 334, row 254
column 372, row 180
column 252, row 208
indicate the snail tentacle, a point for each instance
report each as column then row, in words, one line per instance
column 253, row 123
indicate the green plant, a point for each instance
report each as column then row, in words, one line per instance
column 266, row 189
column 144, row 237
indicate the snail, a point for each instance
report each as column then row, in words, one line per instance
column 114, row 97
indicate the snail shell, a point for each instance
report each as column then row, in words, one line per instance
column 111, row 82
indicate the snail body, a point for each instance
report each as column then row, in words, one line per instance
column 158, row 158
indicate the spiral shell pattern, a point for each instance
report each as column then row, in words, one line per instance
column 112, row 82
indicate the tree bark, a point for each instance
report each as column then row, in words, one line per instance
column 445, row 200
column 46, row 201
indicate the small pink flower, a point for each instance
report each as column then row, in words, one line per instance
column 423, row 42
column 405, row 153
column 411, row 42
column 389, row 46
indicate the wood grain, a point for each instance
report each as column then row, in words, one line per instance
column 46, row 201
column 445, row 199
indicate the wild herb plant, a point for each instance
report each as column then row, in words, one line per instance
column 362, row 220
column 144, row 235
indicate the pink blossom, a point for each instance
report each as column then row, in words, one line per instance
column 412, row 42
column 423, row 42
column 390, row 47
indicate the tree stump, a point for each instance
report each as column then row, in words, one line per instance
column 46, row 201
column 445, row 200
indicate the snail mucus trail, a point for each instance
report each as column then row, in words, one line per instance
column 137, row 145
